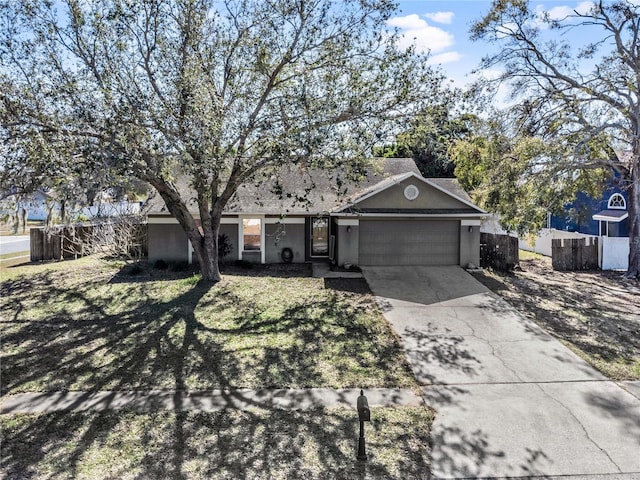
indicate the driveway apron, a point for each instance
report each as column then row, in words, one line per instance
column 511, row 400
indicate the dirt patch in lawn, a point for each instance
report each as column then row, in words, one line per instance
column 595, row 313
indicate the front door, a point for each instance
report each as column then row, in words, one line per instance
column 320, row 237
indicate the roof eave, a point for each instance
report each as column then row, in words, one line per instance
column 402, row 178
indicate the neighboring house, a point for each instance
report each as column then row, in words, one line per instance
column 606, row 216
column 393, row 217
column 111, row 208
column 38, row 205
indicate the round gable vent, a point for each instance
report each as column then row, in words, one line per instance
column 411, row 192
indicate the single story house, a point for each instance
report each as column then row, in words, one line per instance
column 394, row 216
column 38, row 205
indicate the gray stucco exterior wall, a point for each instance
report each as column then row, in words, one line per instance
column 252, row 256
column 348, row 245
column 231, row 231
column 469, row 246
column 278, row 237
column 429, row 197
column 167, row 242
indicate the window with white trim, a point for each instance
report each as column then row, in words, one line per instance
column 617, row 202
column 251, row 234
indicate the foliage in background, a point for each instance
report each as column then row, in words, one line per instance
column 574, row 97
column 522, row 179
column 431, row 133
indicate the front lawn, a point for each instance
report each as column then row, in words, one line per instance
column 91, row 325
column 255, row 444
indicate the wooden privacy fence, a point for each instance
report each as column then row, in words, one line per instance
column 570, row 254
column 61, row 243
column 74, row 241
column 498, row 251
column 45, row 246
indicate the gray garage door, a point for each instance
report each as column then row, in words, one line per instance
column 409, row 242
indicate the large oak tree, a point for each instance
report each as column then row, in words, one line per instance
column 222, row 92
column 575, row 96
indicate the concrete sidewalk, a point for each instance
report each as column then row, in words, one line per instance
column 510, row 400
column 205, row 401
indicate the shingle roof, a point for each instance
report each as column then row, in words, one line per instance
column 323, row 194
column 451, row 185
column 613, row 216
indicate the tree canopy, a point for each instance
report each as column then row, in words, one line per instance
column 430, row 134
column 521, row 178
column 220, row 92
column 582, row 97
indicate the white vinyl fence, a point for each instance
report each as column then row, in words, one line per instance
column 613, row 254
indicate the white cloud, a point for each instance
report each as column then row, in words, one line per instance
column 446, row 57
column 563, row 11
column 440, row 17
column 584, row 7
column 412, row 22
column 416, row 31
column 506, row 29
column 487, row 74
column 560, row 12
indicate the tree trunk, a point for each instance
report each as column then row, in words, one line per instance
column 634, row 216
column 48, row 220
column 205, row 243
column 206, row 252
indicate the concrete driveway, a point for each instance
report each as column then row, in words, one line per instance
column 511, row 401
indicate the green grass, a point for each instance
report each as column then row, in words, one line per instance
column 527, row 255
column 4, row 256
column 91, row 325
column 267, row 444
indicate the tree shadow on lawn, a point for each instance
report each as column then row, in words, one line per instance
column 76, row 341
column 158, row 341
column 67, row 349
column 229, row 444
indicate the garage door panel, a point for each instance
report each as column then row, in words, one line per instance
column 409, row 242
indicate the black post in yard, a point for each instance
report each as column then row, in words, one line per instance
column 362, row 452
column 364, row 415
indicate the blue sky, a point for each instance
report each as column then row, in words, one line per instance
column 443, row 27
